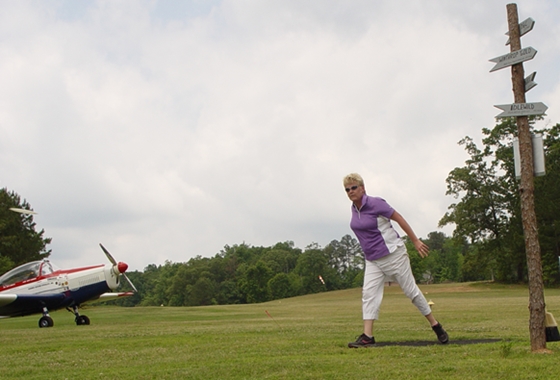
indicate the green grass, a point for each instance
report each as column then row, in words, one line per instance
column 306, row 338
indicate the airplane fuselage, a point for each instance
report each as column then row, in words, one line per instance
column 37, row 287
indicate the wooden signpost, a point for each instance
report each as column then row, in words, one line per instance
column 521, row 109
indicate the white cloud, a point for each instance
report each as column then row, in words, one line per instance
column 167, row 130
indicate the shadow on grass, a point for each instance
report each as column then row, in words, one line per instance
column 421, row 343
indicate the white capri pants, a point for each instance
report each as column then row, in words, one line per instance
column 396, row 266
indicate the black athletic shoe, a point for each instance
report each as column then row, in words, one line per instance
column 362, row 341
column 441, row 334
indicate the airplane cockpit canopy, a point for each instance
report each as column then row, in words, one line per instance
column 27, row 271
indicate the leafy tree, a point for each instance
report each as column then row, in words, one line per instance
column 420, row 270
column 201, row 293
column 280, row 260
column 254, row 283
column 477, row 265
column 346, row 258
column 280, row 286
column 228, row 293
column 449, row 258
column 19, row 241
column 485, row 212
column 547, row 206
column 311, row 264
column 488, row 216
column 159, row 282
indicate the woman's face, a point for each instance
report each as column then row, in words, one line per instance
column 355, row 192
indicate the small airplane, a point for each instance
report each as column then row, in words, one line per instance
column 39, row 286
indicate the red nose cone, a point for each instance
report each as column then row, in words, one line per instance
column 122, row 267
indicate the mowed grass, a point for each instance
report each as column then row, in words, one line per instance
column 303, row 338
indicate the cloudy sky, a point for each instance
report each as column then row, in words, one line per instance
column 169, row 129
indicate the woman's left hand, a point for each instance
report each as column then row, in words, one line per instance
column 422, row 248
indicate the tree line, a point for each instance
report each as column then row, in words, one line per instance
column 248, row 274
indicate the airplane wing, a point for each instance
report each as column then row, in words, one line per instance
column 23, row 304
column 111, row 296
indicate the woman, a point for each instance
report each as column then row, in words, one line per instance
column 385, row 257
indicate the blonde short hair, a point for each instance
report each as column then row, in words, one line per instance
column 353, row 178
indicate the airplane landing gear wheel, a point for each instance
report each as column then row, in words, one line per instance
column 46, row 322
column 82, row 320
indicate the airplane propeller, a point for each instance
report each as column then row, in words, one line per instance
column 121, row 267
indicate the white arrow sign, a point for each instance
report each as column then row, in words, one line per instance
column 524, row 28
column 513, row 58
column 530, row 81
column 521, row 109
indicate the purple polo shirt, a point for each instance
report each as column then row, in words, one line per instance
column 372, row 226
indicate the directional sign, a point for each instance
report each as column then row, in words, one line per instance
column 521, row 109
column 513, row 58
column 524, row 28
column 530, row 81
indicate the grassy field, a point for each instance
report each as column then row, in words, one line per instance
column 303, row 338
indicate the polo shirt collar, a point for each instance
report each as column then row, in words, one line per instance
column 364, row 201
